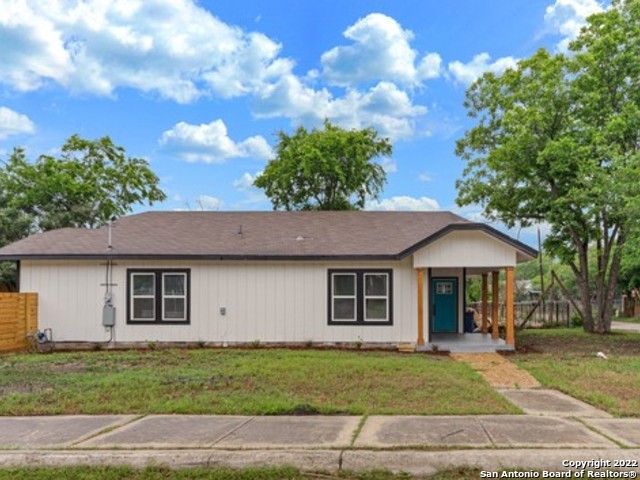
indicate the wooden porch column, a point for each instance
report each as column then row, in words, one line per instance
column 495, row 310
column 485, row 304
column 510, row 284
column 420, row 306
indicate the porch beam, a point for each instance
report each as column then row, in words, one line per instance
column 485, row 303
column 509, row 288
column 420, row 306
column 495, row 299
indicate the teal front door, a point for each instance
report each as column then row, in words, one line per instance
column 444, row 305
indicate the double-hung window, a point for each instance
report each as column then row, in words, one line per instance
column 360, row 297
column 158, row 296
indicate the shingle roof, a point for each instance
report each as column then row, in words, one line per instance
column 266, row 235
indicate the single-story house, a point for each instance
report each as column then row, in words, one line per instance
column 226, row 278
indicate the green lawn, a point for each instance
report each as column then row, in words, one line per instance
column 250, row 382
column 565, row 359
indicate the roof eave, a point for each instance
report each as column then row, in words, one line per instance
column 364, row 257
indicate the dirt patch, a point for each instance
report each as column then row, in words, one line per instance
column 303, row 409
column 21, row 389
column 497, row 370
column 588, row 344
column 69, row 367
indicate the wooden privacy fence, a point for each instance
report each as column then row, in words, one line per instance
column 18, row 316
column 556, row 313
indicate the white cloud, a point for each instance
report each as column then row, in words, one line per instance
column 567, row 17
column 96, row 46
column 425, row 177
column 210, row 143
column 467, row 73
column 252, row 195
column 384, row 107
column 389, row 165
column 430, row 66
column 14, row 123
column 404, row 202
column 245, row 182
column 209, row 203
column 380, row 50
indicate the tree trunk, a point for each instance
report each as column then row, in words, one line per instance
column 583, row 285
column 614, row 271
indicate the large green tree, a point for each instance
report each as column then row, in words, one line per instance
column 14, row 225
column 91, row 182
column 328, row 169
column 557, row 140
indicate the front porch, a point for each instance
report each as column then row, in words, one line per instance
column 442, row 269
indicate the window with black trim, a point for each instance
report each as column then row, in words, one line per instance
column 158, row 296
column 360, row 297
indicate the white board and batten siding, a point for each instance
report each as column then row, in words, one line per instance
column 470, row 249
column 266, row 301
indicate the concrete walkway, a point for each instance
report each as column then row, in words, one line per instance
column 398, row 443
column 626, row 326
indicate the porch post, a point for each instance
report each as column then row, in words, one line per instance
column 485, row 306
column 420, row 306
column 510, row 283
column 495, row 313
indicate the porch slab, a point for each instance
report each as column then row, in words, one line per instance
column 531, row 431
column 551, row 402
column 467, row 343
column 623, row 430
column 54, row 432
column 293, row 432
column 170, row 431
column 404, row 431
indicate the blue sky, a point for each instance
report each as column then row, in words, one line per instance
column 201, row 88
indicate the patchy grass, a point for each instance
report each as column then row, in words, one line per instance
column 565, row 359
column 160, row 473
column 245, row 382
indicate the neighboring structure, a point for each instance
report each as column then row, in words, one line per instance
column 274, row 277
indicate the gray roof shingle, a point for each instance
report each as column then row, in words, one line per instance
column 268, row 235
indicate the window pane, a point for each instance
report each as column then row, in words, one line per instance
column 444, row 288
column 174, row 309
column 344, row 284
column 174, row 284
column 143, row 309
column 376, row 309
column 144, row 284
column 375, row 284
column 344, row 309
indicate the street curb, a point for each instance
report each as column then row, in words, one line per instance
column 491, row 460
column 416, row 462
column 309, row 460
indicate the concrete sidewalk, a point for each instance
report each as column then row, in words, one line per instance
column 398, row 443
column 626, row 326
